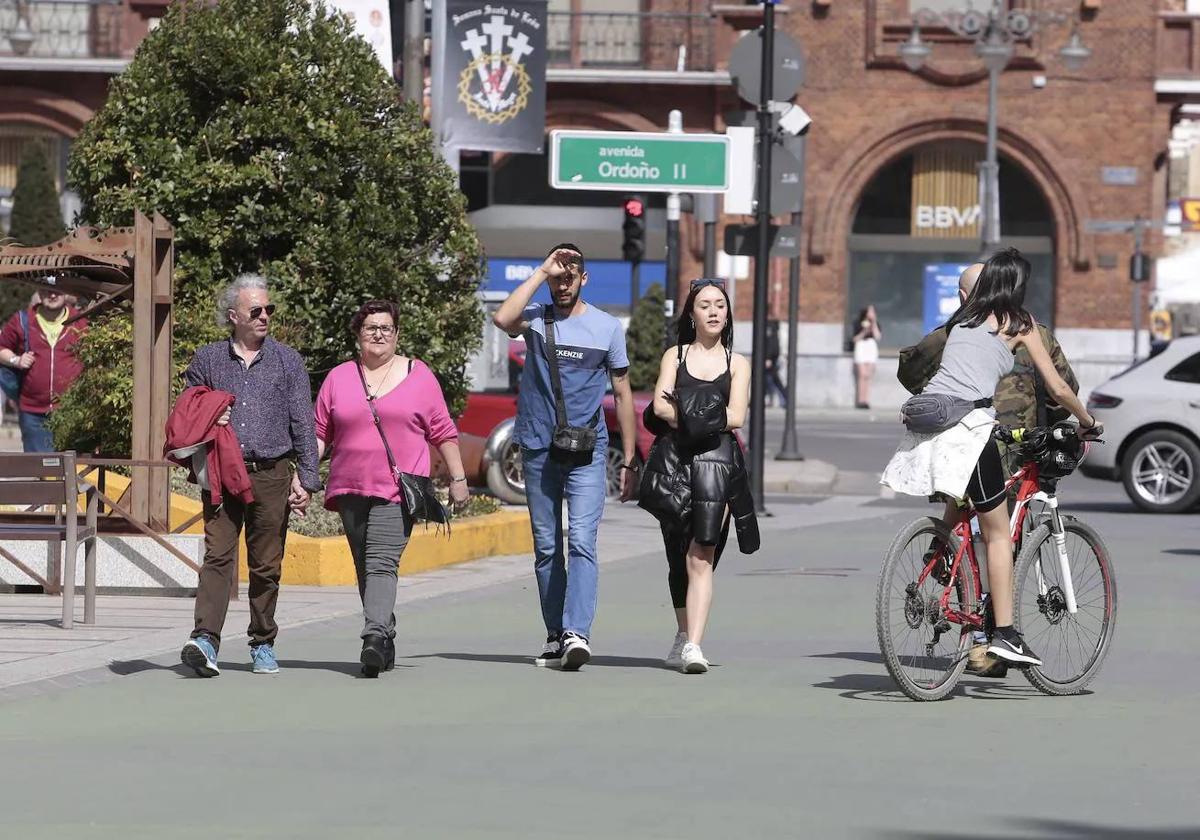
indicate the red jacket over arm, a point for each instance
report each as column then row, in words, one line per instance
column 193, row 422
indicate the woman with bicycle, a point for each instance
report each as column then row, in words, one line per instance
column 961, row 458
column 695, row 472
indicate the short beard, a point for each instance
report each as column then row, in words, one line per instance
column 571, row 305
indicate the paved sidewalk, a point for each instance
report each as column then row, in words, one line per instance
column 37, row 655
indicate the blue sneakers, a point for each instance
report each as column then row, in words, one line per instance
column 263, row 657
column 200, row 655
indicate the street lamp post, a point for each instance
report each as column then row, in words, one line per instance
column 994, row 32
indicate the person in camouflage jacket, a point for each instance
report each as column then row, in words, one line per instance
column 1021, row 398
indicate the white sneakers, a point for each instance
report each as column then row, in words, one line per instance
column 675, row 657
column 693, row 659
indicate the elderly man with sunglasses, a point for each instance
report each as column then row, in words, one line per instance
column 272, row 415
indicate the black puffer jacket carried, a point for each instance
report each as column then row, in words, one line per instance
column 688, row 486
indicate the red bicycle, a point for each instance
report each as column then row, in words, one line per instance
column 930, row 598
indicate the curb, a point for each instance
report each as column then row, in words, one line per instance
column 327, row 561
column 808, row 477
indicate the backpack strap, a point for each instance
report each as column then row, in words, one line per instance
column 24, row 313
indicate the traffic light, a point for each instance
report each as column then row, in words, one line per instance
column 634, row 246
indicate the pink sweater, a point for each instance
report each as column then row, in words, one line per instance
column 413, row 414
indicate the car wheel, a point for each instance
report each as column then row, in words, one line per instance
column 1160, row 472
column 506, row 476
column 613, row 461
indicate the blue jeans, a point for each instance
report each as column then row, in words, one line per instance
column 566, row 585
column 35, row 437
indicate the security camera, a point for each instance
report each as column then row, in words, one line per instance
column 794, row 120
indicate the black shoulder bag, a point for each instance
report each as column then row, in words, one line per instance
column 416, row 491
column 571, row 445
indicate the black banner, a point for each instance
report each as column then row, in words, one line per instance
column 494, row 61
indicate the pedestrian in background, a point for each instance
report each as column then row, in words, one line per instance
column 40, row 347
column 272, row 416
column 776, row 392
column 866, row 354
column 573, row 350
column 406, row 398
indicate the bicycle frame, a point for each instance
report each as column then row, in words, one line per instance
column 1028, row 490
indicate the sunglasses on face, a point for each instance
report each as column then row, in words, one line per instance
column 701, row 282
column 257, row 311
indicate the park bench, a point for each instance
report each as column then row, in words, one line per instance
column 38, row 480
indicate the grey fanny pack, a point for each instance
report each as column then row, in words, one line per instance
column 931, row 413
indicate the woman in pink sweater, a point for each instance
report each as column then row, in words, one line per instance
column 412, row 413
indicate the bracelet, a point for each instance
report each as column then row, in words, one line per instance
column 630, row 467
column 460, row 478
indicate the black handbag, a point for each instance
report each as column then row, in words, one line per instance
column 417, row 492
column 571, row 445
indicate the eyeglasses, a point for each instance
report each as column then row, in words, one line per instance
column 256, row 311
column 379, row 329
column 701, row 282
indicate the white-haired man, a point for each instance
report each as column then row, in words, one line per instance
column 272, row 415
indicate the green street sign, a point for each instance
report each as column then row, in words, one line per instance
column 641, row 161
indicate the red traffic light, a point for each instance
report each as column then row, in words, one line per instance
column 635, row 207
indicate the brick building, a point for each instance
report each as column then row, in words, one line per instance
column 890, row 158
column 888, row 147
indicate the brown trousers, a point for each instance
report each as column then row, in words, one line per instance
column 266, row 520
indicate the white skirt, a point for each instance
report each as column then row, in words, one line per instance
column 866, row 351
column 942, row 462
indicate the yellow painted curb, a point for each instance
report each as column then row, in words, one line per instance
column 326, row 561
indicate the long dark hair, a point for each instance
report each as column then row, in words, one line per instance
column 685, row 327
column 862, row 316
column 999, row 291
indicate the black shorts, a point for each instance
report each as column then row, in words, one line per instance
column 986, row 487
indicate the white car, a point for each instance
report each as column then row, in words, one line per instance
column 1151, row 417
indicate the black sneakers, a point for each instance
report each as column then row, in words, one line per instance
column 575, row 652
column 1013, row 649
column 551, row 655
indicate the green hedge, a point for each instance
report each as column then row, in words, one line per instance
column 274, row 141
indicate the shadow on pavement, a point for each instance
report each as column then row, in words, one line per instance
column 1071, row 506
column 1056, row 830
column 513, row 659
column 881, row 688
column 853, row 656
column 126, row 668
column 1184, row 552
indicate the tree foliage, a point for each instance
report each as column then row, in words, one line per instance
column 36, row 216
column 645, row 339
column 274, row 141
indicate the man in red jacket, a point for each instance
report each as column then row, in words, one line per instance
column 50, row 365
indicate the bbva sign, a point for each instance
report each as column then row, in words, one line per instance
column 943, row 216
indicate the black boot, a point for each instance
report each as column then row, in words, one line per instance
column 389, row 647
column 373, row 656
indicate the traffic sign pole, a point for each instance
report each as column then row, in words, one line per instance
column 762, row 262
column 674, row 126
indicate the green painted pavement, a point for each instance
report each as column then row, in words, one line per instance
column 795, row 732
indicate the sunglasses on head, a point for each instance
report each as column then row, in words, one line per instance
column 701, row 282
column 256, row 311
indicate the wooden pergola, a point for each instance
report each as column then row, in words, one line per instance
column 108, row 266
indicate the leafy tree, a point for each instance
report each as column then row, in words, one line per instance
column 36, row 217
column 274, row 141
column 645, row 339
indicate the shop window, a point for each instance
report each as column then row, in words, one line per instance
column 918, row 220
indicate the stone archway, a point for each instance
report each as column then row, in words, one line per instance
column 46, row 109
column 861, row 161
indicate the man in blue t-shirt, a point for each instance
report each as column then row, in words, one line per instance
column 590, row 348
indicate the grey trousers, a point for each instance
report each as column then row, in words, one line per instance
column 377, row 532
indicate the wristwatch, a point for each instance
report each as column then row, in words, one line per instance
column 630, row 467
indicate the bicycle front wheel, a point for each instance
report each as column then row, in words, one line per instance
column 1072, row 646
column 923, row 651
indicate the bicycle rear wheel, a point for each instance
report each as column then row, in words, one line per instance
column 924, row 653
column 1072, row 647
